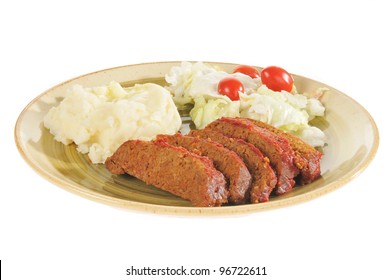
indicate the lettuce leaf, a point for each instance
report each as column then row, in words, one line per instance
column 208, row 109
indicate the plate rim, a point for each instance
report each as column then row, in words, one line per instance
column 190, row 210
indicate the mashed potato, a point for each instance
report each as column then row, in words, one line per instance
column 98, row 120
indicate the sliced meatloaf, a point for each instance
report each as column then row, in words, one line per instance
column 263, row 177
column 276, row 148
column 226, row 161
column 172, row 169
column 307, row 158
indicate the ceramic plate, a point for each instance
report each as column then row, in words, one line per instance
column 352, row 138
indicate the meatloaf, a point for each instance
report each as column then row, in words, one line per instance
column 226, row 161
column 263, row 177
column 276, row 148
column 172, row 169
column 307, row 158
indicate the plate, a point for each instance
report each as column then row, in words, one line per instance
column 348, row 152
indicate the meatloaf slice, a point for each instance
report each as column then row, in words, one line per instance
column 307, row 158
column 226, row 161
column 172, row 169
column 263, row 177
column 276, row 148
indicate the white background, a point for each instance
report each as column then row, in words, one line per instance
column 48, row 233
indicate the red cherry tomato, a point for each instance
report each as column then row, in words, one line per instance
column 230, row 87
column 247, row 70
column 277, row 78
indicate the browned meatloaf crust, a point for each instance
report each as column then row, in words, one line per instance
column 226, row 161
column 307, row 158
column 276, row 148
column 263, row 177
column 172, row 169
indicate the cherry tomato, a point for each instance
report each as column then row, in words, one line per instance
column 247, row 70
column 276, row 78
column 230, row 87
